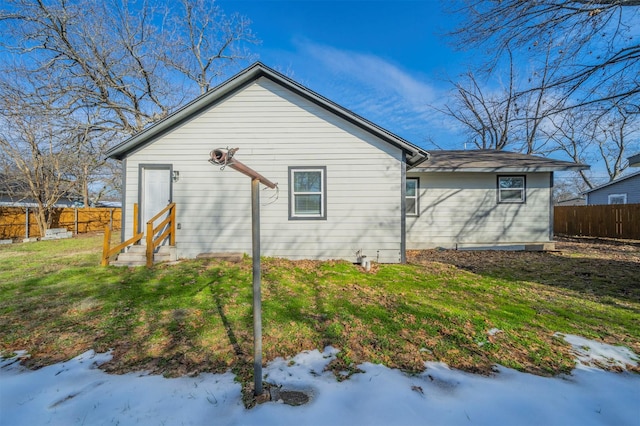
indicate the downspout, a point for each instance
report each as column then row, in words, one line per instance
column 551, row 207
column 123, row 203
column 403, row 209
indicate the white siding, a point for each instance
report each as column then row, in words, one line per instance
column 275, row 129
column 459, row 210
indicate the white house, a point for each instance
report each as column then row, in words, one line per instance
column 344, row 183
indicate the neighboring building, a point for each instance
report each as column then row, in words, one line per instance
column 576, row 201
column 8, row 201
column 108, row 204
column 624, row 190
column 344, row 182
column 634, row 160
column 12, row 194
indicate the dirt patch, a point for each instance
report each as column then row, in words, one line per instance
column 594, row 267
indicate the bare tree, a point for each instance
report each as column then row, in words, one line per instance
column 33, row 146
column 486, row 118
column 209, row 43
column 595, row 46
column 96, row 71
column 507, row 117
column 596, row 136
column 126, row 59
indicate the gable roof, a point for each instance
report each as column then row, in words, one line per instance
column 414, row 154
column 489, row 160
column 613, row 182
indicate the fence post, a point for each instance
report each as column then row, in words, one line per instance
column 26, row 224
column 75, row 220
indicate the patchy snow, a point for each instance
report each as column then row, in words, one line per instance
column 595, row 354
column 77, row 392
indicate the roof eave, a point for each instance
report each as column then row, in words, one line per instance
column 414, row 154
column 613, row 182
column 500, row 169
column 121, row 150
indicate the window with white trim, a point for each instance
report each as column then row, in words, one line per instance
column 307, row 193
column 617, row 198
column 511, row 189
column 411, row 204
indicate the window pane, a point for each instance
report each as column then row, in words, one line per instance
column 511, row 195
column 307, row 181
column 617, row 199
column 511, row 182
column 411, row 206
column 308, row 205
column 411, row 187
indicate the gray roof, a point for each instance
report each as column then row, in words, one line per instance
column 414, row 154
column 634, row 160
column 486, row 160
column 613, row 182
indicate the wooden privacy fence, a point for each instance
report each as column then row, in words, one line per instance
column 612, row 221
column 20, row 222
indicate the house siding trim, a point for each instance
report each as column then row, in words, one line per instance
column 123, row 202
column 551, row 206
column 403, row 210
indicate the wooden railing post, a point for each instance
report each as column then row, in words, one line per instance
column 149, row 244
column 172, row 239
column 105, row 246
column 135, row 219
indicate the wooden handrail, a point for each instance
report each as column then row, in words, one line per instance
column 170, row 232
column 163, row 211
column 152, row 243
column 107, row 251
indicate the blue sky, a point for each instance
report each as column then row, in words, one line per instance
column 385, row 60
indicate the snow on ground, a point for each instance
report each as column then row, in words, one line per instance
column 77, row 392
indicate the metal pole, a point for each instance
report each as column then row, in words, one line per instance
column 257, row 308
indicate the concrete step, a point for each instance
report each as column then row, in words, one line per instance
column 165, row 254
column 137, row 256
column 131, row 258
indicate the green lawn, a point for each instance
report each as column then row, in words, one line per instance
column 196, row 316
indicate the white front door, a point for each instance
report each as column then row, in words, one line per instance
column 155, row 192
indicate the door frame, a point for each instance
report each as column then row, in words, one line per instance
column 141, row 169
